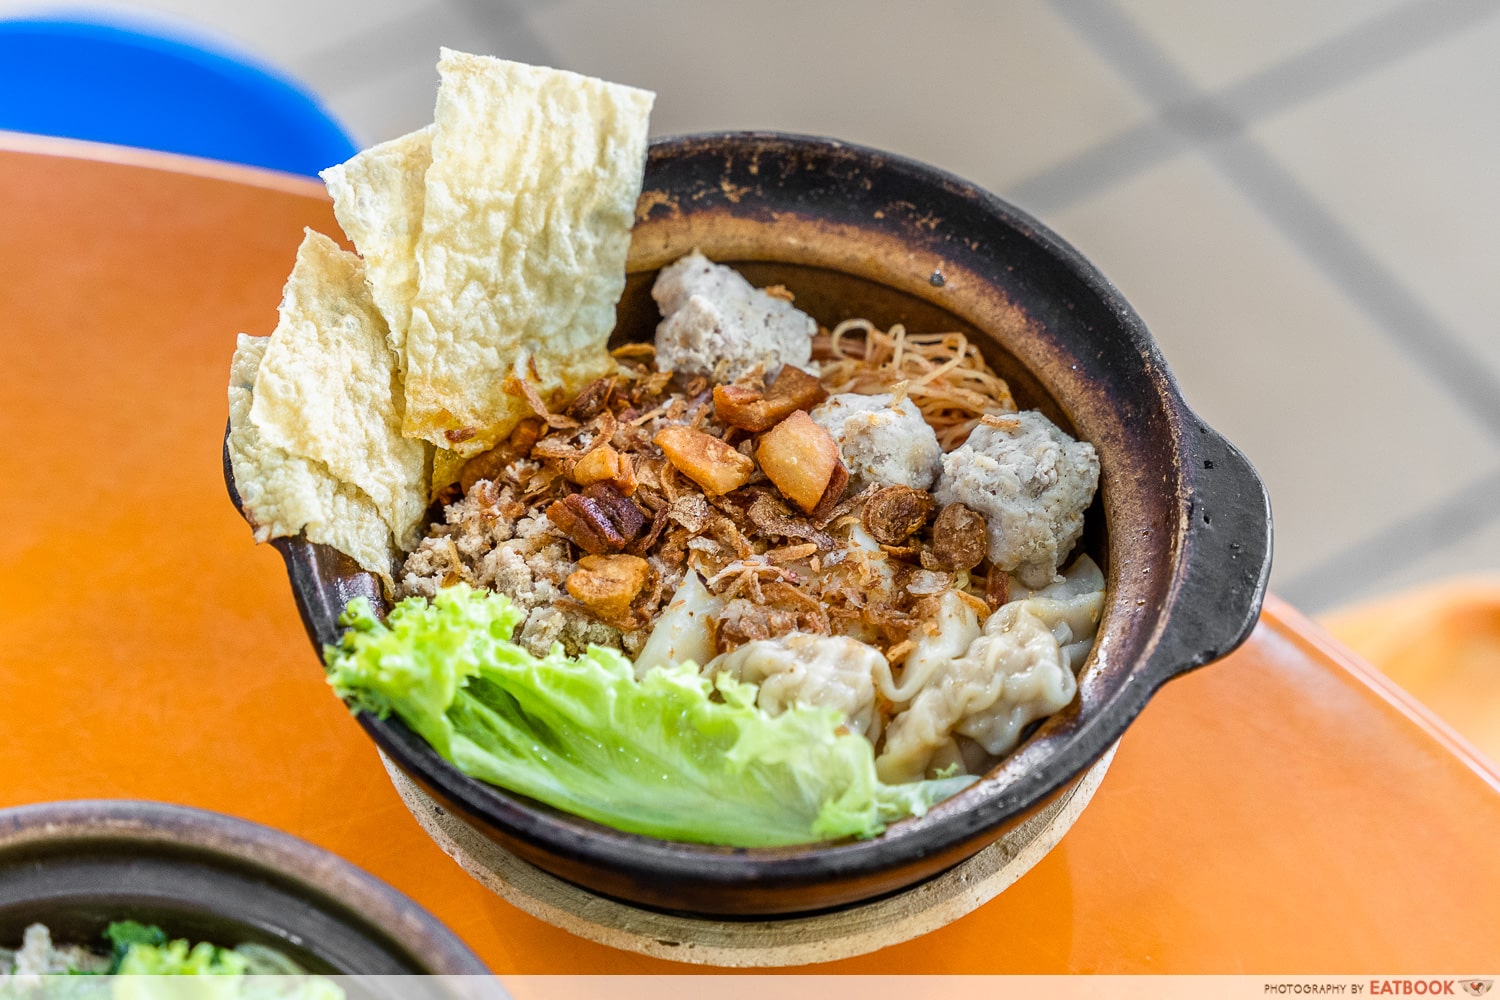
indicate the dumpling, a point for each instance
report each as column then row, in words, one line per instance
column 1019, row 669
column 944, row 639
column 682, row 632
column 1018, row 650
column 829, row 671
column 1071, row 608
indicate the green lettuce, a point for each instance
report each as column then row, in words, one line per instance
column 178, row 958
column 675, row 755
column 141, row 953
column 123, row 935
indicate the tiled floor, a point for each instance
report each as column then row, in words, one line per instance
column 1300, row 198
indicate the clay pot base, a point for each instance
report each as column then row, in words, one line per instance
column 786, row 941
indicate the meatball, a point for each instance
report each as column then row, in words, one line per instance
column 1032, row 483
column 712, row 316
column 881, row 442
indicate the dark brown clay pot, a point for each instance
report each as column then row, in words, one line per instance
column 1181, row 525
column 77, row 866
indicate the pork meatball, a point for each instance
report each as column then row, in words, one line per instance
column 712, row 316
column 1032, row 482
column 880, row 441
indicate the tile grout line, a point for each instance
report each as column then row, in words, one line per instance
column 1364, row 49
column 1304, row 76
column 1453, row 519
column 1303, row 220
column 1109, row 162
column 1371, row 288
column 1112, row 34
column 1298, row 215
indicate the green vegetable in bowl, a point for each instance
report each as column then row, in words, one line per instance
column 674, row 755
column 141, row 950
column 124, row 935
column 137, row 949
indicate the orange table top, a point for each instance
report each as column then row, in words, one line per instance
column 1283, row 811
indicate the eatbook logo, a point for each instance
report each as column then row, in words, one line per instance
column 1477, row 987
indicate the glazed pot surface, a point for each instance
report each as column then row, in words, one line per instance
column 78, row 866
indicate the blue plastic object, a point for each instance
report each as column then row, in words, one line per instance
column 115, row 84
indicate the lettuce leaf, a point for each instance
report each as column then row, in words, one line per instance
column 676, row 755
column 122, row 935
column 178, row 958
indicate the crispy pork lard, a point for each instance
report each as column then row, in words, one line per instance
column 1032, row 482
column 714, row 316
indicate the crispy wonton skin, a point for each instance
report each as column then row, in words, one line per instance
column 377, row 198
column 328, row 388
column 284, row 495
column 518, row 273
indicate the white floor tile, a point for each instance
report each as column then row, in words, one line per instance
column 387, row 106
column 1219, row 42
column 1476, row 553
column 280, row 32
column 992, row 92
column 384, row 83
column 1346, row 435
column 1407, row 159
